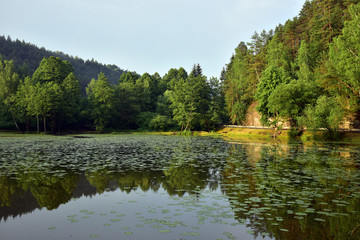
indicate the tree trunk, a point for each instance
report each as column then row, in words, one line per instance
column 53, row 125
column 27, row 125
column 44, row 120
column 37, row 123
column 206, row 123
column 13, row 116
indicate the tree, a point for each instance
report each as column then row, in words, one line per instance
column 190, row 102
column 271, row 78
column 126, row 105
column 257, row 53
column 305, row 63
column 147, row 92
column 129, row 77
column 345, row 55
column 182, row 104
column 277, row 55
column 223, row 75
column 38, row 100
column 9, row 81
column 327, row 113
column 52, row 69
column 70, row 98
column 217, row 106
column 101, row 98
column 289, row 100
column 172, row 77
column 25, row 102
column 57, row 77
column 163, row 104
column 196, row 70
column 239, row 85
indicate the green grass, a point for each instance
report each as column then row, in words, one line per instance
column 230, row 134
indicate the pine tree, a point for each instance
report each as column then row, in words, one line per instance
column 344, row 55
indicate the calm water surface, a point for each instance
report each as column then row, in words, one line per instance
column 171, row 187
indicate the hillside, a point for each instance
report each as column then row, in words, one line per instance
column 302, row 73
column 27, row 57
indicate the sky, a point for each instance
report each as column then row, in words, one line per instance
column 145, row 35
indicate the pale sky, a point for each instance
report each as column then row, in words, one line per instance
column 144, row 35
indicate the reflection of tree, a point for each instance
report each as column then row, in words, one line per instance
column 99, row 179
column 8, row 187
column 240, row 186
column 176, row 180
column 21, row 203
column 128, row 181
column 189, row 171
column 49, row 190
column 145, row 180
column 178, row 164
column 185, row 178
column 295, row 193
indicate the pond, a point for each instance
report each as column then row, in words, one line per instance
column 173, row 187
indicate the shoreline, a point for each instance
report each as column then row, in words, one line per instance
column 229, row 133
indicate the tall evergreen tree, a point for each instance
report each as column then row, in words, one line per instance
column 239, row 85
column 344, row 55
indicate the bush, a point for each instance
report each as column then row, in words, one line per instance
column 161, row 123
column 143, row 120
column 326, row 114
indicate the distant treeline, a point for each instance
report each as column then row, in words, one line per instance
column 305, row 72
column 51, row 99
column 27, row 58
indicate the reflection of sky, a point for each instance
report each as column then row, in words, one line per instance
column 135, row 205
column 274, row 187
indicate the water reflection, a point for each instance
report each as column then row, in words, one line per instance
column 281, row 191
column 295, row 192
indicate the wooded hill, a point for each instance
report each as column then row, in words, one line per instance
column 305, row 72
column 27, row 58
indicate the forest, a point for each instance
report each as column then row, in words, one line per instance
column 27, row 57
column 304, row 72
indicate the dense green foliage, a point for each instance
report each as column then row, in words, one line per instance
column 53, row 93
column 52, row 96
column 100, row 95
column 304, row 73
column 290, row 71
column 27, row 57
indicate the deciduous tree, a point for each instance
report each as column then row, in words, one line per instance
column 101, row 98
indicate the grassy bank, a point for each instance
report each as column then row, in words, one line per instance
column 230, row 134
column 266, row 135
column 251, row 135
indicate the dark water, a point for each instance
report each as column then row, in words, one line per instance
column 170, row 187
